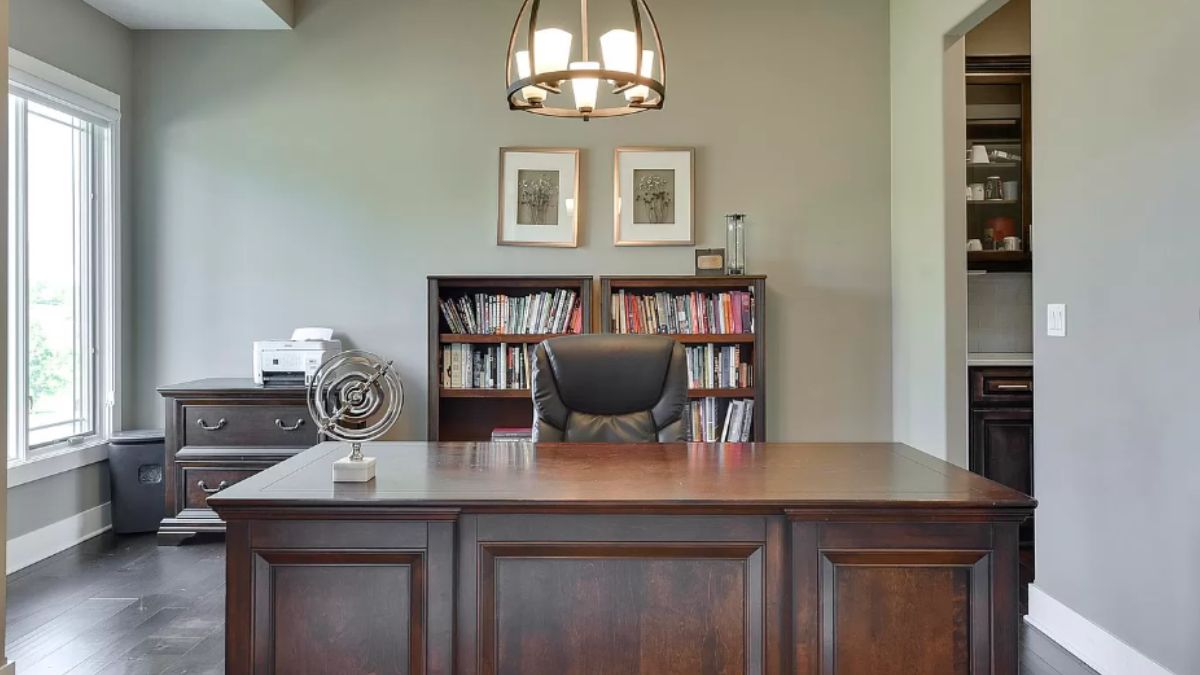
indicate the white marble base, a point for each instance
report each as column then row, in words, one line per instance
column 346, row 470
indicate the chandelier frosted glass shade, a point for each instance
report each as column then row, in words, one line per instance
column 539, row 65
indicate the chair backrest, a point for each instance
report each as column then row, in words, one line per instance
column 610, row 389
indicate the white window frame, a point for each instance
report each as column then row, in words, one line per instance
column 47, row 82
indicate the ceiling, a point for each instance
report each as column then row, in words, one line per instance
column 200, row 14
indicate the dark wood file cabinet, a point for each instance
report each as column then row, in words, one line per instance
column 220, row 432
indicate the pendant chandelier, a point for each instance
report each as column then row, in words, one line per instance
column 544, row 67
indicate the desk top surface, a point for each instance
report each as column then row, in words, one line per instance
column 516, row 476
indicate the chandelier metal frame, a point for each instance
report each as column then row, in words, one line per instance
column 552, row 82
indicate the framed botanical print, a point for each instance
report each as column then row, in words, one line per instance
column 539, row 192
column 652, row 197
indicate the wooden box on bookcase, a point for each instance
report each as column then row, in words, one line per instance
column 753, row 339
column 470, row 414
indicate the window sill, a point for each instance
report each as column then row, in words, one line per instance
column 54, row 463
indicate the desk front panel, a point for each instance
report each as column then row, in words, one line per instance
column 492, row 593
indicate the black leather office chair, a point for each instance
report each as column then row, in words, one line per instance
column 610, row 389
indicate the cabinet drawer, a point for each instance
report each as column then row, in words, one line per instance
column 248, row 425
column 199, row 482
column 1009, row 385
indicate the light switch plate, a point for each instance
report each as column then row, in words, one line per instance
column 1056, row 320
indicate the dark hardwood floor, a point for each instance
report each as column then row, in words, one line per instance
column 120, row 605
column 124, row 605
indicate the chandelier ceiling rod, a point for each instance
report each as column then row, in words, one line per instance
column 583, row 20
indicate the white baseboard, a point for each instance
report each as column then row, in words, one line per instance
column 44, row 542
column 1093, row 645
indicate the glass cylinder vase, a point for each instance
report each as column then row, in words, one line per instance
column 735, row 243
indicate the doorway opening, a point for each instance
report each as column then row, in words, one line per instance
column 997, row 129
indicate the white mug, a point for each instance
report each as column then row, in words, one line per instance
column 1012, row 243
column 974, row 245
column 976, row 192
column 1012, row 190
column 979, row 154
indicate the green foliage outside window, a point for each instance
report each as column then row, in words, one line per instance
column 49, row 369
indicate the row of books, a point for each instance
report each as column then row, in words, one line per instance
column 694, row 313
column 555, row 311
column 716, row 420
column 717, row 367
column 499, row 366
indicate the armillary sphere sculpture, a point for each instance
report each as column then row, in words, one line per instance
column 355, row 397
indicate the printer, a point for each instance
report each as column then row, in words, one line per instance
column 293, row 362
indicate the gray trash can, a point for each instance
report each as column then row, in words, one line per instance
column 135, row 462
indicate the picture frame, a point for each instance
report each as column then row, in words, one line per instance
column 710, row 262
column 538, row 197
column 653, row 196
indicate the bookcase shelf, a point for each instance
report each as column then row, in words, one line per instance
column 449, row 392
column 461, row 414
column 739, row 392
column 495, row 339
column 716, row 338
column 754, row 342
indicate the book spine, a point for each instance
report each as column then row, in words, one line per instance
column 725, row 425
column 622, row 325
column 502, row 366
column 555, row 308
column 750, row 303
column 747, row 420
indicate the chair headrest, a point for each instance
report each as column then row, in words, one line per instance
column 610, row 374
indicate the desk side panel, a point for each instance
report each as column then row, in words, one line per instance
column 894, row 597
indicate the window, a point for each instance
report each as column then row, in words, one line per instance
column 61, row 257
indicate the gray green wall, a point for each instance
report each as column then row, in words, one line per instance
column 43, row 502
column 315, row 177
column 73, row 36
column 1116, row 132
column 928, row 218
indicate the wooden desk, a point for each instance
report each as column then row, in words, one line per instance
column 656, row 559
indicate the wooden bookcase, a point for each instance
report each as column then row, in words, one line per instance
column 755, row 342
column 471, row 414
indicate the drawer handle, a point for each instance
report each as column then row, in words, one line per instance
column 1014, row 387
column 215, row 427
column 211, row 491
column 279, row 423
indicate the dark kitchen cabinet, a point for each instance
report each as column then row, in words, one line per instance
column 1002, row 446
column 1001, row 438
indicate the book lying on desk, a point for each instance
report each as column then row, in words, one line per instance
column 555, row 311
column 511, row 434
column 693, row 313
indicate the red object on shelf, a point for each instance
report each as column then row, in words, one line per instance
column 1002, row 226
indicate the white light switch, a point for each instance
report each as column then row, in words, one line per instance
column 1056, row 320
